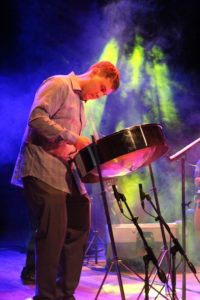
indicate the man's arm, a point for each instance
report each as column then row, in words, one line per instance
column 49, row 99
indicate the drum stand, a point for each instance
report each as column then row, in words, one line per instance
column 116, row 261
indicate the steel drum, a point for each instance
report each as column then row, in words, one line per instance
column 122, row 152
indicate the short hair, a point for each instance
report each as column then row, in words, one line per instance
column 108, row 70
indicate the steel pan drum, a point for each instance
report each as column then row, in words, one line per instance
column 122, row 152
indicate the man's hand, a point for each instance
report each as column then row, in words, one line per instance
column 82, row 142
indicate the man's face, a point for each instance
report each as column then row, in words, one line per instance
column 96, row 87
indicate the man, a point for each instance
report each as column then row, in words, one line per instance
column 53, row 189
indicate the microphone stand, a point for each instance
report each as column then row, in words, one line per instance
column 165, row 246
column 150, row 255
column 176, row 248
column 176, row 156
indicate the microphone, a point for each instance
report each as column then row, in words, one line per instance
column 142, row 195
column 117, row 197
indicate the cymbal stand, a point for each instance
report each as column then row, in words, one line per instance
column 150, row 255
column 180, row 154
column 116, row 260
column 177, row 247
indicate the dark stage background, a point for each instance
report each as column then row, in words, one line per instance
column 41, row 38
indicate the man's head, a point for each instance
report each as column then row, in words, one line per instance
column 101, row 79
column 107, row 70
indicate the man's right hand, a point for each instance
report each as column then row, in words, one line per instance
column 81, row 142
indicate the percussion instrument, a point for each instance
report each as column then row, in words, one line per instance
column 122, row 152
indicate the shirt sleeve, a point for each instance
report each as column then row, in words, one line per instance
column 48, row 100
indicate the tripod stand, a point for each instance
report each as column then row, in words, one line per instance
column 96, row 240
column 149, row 252
column 165, row 251
column 177, row 247
column 116, row 260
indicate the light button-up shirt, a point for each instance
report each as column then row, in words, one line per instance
column 56, row 120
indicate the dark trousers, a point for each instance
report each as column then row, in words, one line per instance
column 61, row 237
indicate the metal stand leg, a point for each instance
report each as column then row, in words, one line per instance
column 92, row 249
column 93, row 244
column 173, row 253
column 165, row 246
column 146, row 264
column 183, row 227
column 113, row 246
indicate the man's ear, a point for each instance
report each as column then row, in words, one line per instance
column 95, row 71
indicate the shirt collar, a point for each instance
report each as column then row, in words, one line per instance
column 74, row 81
column 75, row 84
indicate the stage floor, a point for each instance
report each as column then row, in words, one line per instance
column 11, row 288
